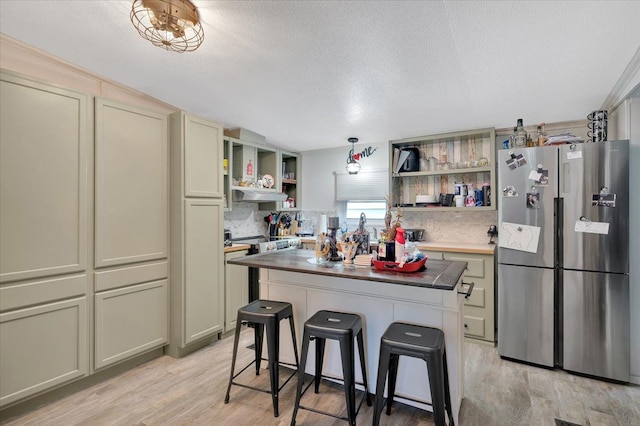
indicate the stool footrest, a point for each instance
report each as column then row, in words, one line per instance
column 262, row 390
column 364, row 397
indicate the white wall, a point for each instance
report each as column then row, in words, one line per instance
column 319, row 166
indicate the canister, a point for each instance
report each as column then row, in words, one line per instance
column 486, row 194
column 460, row 188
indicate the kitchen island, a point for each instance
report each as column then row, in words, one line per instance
column 429, row 297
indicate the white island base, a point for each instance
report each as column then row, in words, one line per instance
column 379, row 304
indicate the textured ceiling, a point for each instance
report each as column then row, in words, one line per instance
column 308, row 75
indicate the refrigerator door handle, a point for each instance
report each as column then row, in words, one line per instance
column 566, row 181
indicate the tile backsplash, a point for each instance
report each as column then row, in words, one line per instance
column 245, row 220
column 460, row 226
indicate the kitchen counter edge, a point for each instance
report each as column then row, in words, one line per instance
column 236, row 247
column 439, row 274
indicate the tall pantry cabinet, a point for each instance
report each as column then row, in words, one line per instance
column 44, row 331
column 197, row 244
column 83, row 259
column 131, row 231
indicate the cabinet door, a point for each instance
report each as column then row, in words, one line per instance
column 43, row 170
column 203, row 155
column 236, row 289
column 42, row 347
column 130, row 321
column 479, row 310
column 203, row 269
column 131, row 184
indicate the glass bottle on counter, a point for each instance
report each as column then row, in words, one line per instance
column 520, row 135
column 542, row 135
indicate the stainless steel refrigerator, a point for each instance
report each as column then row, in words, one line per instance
column 563, row 257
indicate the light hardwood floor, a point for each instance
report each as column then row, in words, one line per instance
column 190, row 391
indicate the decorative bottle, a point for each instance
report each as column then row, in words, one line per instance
column 520, row 135
column 249, row 168
column 542, row 135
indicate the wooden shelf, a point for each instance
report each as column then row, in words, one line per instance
column 445, row 209
column 445, row 172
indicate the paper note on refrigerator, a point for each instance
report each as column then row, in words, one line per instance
column 519, row 237
column 592, row 227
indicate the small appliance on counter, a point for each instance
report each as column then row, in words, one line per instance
column 227, row 237
column 412, row 160
column 414, row 234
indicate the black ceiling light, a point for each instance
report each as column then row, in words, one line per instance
column 353, row 167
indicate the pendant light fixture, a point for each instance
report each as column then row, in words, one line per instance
column 170, row 24
column 353, row 167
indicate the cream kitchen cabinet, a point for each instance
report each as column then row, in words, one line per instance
column 131, row 311
column 132, row 187
column 44, row 139
column 479, row 309
column 132, row 221
column 44, row 215
column 202, row 154
column 197, row 251
column 43, row 336
column 236, row 288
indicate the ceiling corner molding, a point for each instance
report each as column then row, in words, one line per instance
column 23, row 58
column 628, row 81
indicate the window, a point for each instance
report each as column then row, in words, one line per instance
column 373, row 210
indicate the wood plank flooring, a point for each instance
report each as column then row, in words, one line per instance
column 190, row 391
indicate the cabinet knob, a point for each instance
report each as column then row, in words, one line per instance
column 466, row 325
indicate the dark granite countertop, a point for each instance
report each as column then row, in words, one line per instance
column 439, row 274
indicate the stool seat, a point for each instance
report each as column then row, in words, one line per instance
column 343, row 327
column 259, row 310
column 330, row 324
column 264, row 314
column 416, row 341
column 413, row 339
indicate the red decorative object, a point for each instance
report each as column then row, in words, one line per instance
column 381, row 265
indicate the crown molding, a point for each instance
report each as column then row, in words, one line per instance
column 626, row 84
column 60, row 64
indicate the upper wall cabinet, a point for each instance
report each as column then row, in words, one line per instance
column 43, row 170
column 131, row 184
column 432, row 165
column 289, row 177
column 202, row 141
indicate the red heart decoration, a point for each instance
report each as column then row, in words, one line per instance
column 356, row 156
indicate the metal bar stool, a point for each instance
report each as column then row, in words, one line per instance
column 416, row 341
column 263, row 313
column 342, row 327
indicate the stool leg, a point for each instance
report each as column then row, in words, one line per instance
column 293, row 339
column 273, row 346
column 364, row 368
column 233, row 358
column 320, row 344
column 447, row 395
column 383, row 366
column 348, row 361
column 394, row 360
column 301, row 368
column 436, row 385
column 258, row 332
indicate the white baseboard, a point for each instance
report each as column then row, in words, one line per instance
column 634, row 379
